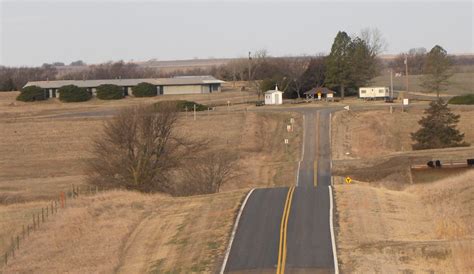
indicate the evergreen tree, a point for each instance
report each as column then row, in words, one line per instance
column 7, row 85
column 438, row 128
column 338, row 63
column 437, row 70
column 363, row 63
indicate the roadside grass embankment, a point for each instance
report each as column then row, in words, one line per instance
column 129, row 232
column 423, row 228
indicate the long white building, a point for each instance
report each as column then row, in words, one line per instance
column 175, row 85
column 374, row 92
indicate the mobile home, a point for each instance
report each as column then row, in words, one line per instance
column 373, row 93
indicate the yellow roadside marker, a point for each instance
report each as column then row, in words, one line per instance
column 283, row 232
column 348, row 180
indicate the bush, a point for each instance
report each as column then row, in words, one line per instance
column 72, row 93
column 109, row 92
column 32, row 93
column 144, row 90
column 182, row 105
column 467, row 99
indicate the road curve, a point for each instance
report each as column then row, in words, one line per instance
column 255, row 248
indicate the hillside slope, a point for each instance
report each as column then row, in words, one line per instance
column 423, row 228
column 129, row 232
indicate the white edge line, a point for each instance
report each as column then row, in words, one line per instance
column 298, row 173
column 302, row 144
column 330, row 139
column 302, row 154
column 331, row 225
column 234, row 230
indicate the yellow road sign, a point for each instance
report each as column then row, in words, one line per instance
column 348, row 180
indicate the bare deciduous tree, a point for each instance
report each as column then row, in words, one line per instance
column 374, row 39
column 257, row 61
column 139, row 149
column 297, row 66
column 209, row 173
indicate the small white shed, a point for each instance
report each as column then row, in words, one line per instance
column 274, row 97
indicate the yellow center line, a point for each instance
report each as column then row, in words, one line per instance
column 283, row 232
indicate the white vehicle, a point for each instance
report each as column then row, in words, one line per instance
column 373, row 93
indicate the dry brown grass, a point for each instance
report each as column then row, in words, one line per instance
column 42, row 155
column 424, row 228
column 365, row 134
column 460, row 83
column 129, row 232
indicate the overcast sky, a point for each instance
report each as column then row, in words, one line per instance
column 37, row 32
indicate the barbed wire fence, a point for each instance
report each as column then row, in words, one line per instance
column 40, row 216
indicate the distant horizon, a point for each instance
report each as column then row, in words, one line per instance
column 33, row 33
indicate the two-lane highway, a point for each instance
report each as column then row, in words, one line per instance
column 288, row 229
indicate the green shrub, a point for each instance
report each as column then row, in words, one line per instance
column 144, row 90
column 32, row 93
column 109, row 92
column 72, row 93
column 467, row 99
column 182, row 105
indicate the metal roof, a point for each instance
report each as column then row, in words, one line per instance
column 273, row 91
column 176, row 81
column 322, row 90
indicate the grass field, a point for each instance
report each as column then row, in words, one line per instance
column 460, row 83
column 127, row 232
column 374, row 133
column 421, row 229
column 45, row 144
column 393, row 220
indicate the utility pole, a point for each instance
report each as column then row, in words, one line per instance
column 250, row 60
column 391, row 84
column 406, row 71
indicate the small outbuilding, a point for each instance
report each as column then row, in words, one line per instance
column 274, row 97
column 319, row 93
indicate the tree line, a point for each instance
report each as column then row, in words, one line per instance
column 353, row 62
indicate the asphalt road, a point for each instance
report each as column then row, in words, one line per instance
column 256, row 246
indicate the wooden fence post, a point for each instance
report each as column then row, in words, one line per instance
column 47, row 212
column 42, row 215
column 17, row 242
column 52, row 208
column 62, row 199
column 38, row 220
column 34, row 221
column 28, row 230
column 13, row 248
column 23, row 232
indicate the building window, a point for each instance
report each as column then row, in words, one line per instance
column 362, row 91
column 215, row 87
column 381, row 91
